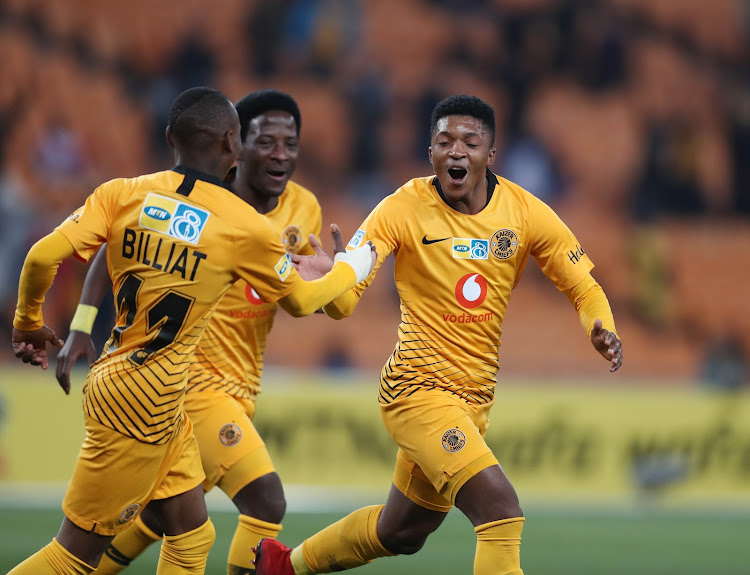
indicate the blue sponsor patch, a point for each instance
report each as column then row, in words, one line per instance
column 357, row 238
column 470, row 249
column 173, row 218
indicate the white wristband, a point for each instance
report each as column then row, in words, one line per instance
column 359, row 259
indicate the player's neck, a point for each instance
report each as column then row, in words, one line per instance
column 216, row 167
column 470, row 203
column 261, row 202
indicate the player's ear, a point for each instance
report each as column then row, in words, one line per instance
column 491, row 157
column 429, row 153
column 168, row 134
column 231, row 142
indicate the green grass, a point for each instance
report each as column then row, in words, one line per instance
column 554, row 543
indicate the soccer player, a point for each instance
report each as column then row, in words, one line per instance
column 224, row 375
column 176, row 242
column 461, row 239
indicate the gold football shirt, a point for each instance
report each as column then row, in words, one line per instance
column 454, row 273
column 229, row 356
column 176, row 242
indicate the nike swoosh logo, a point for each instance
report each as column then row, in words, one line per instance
column 427, row 242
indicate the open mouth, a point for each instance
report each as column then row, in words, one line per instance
column 277, row 175
column 457, row 175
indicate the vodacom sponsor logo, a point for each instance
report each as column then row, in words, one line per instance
column 252, row 296
column 471, row 290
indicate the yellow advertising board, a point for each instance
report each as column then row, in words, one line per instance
column 562, row 440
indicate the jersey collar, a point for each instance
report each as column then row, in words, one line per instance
column 491, row 183
column 191, row 176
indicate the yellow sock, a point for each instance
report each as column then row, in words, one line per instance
column 249, row 532
column 53, row 559
column 125, row 547
column 499, row 548
column 186, row 554
column 348, row 543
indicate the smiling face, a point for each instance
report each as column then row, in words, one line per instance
column 269, row 154
column 460, row 152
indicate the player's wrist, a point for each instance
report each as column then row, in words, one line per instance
column 83, row 319
column 360, row 260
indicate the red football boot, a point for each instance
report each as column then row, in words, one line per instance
column 273, row 558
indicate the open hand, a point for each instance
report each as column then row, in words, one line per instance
column 607, row 344
column 79, row 344
column 31, row 346
column 315, row 267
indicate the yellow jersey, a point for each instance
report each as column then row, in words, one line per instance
column 454, row 273
column 229, row 356
column 176, row 242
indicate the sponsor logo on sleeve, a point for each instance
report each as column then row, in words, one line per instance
column 470, row 249
column 173, row 218
column 284, row 267
column 575, row 255
column 356, row 240
column 504, row 244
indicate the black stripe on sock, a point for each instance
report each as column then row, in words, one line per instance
column 117, row 556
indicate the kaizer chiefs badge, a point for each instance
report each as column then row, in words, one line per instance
column 128, row 513
column 504, row 244
column 230, row 434
column 453, row 440
column 292, row 239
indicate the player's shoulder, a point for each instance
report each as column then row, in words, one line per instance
column 300, row 194
column 156, row 181
column 408, row 193
column 415, row 187
column 517, row 195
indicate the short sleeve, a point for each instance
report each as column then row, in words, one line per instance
column 88, row 227
column 557, row 251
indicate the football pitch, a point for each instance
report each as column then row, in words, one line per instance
column 554, row 543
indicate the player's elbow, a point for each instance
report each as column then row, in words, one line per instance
column 335, row 312
column 296, row 306
column 38, row 260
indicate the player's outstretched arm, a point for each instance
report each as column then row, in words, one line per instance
column 607, row 344
column 595, row 313
column 79, row 343
column 30, row 335
column 349, row 268
column 314, row 267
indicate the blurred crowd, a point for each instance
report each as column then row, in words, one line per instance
column 631, row 118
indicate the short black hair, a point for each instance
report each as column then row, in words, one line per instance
column 464, row 105
column 262, row 101
column 196, row 114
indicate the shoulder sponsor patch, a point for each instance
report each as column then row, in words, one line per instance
column 356, row 240
column 470, row 249
column 284, row 266
column 173, row 218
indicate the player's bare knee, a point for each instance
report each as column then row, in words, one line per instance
column 405, row 540
column 262, row 499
